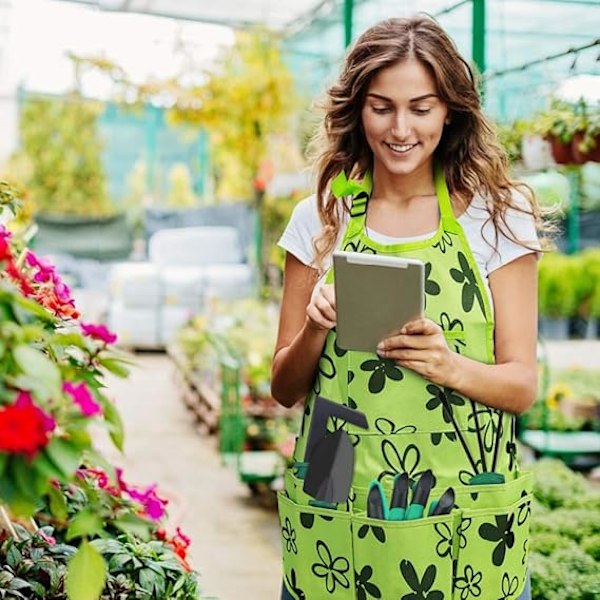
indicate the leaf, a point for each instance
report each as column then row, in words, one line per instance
column 58, row 503
column 131, row 523
column 86, row 574
column 3, row 462
column 115, row 366
column 87, row 522
column 37, row 365
column 112, row 416
column 44, row 465
column 65, row 455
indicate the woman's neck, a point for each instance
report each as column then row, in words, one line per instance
column 401, row 189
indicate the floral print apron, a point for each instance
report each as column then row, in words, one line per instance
column 480, row 549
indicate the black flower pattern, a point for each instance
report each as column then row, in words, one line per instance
column 294, row 586
column 421, row 586
column 382, row 370
column 470, row 291
column 481, row 421
column 358, row 246
column 431, row 287
column 436, row 437
column 450, row 325
column 378, row 532
column 501, row 533
column 445, row 242
column 388, row 427
column 460, row 532
column 510, row 585
column 444, row 397
column 327, row 367
column 468, row 584
column 332, row 570
column 407, row 463
column 444, row 546
column 365, row 588
column 524, row 510
column 289, row 535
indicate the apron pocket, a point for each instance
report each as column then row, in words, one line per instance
column 317, row 551
column 492, row 546
column 395, row 559
column 494, row 495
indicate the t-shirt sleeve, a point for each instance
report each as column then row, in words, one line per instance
column 521, row 226
column 304, row 225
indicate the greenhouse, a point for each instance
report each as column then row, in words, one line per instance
column 293, row 313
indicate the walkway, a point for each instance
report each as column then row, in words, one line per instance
column 235, row 541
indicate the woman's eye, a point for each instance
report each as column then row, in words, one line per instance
column 380, row 110
column 422, row 111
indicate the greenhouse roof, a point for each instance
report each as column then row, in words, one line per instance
column 276, row 14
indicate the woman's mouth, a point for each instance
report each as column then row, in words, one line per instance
column 400, row 148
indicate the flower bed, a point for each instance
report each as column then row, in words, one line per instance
column 69, row 524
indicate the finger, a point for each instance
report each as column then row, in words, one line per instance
column 416, row 341
column 422, row 326
column 323, row 305
column 328, row 292
column 317, row 320
column 403, row 355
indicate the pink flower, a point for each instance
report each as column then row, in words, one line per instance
column 5, row 251
column 98, row 332
column 83, row 398
column 46, row 271
column 154, row 506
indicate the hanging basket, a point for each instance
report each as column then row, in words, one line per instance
column 583, row 157
column 562, row 153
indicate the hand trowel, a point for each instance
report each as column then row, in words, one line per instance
column 330, row 455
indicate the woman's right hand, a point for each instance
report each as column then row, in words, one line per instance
column 320, row 311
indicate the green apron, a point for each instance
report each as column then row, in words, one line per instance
column 480, row 549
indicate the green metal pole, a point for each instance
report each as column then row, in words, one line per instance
column 573, row 174
column 478, row 41
column 348, row 21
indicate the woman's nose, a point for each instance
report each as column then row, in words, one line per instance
column 401, row 126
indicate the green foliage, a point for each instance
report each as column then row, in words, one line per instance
column 248, row 96
column 560, row 120
column 31, row 567
column 567, row 574
column 276, row 214
column 564, row 535
column 62, row 149
column 555, row 485
column 557, row 295
column 510, row 135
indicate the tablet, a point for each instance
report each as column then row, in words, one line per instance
column 375, row 296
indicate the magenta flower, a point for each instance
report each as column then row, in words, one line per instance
column 98, row 332
column 83, row 398
column 45, row 270
column 154, row 506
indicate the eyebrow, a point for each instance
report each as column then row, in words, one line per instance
column 417, row 99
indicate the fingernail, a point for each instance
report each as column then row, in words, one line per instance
column 380, row 347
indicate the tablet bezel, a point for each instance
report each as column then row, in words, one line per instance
column 395, row 289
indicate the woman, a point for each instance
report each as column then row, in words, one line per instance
column 441, row 396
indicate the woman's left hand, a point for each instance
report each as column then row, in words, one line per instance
column 421, row 347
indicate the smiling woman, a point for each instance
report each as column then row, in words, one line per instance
column 408, row 166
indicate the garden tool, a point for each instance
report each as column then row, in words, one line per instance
column 329, row 457
column 399, row 499
column 420, row 496
column 376, row 504
column 444, row 505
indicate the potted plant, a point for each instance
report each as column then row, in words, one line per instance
column 558, row 124
column 586, row 140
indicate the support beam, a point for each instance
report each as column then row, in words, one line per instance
column 348, row 21
column 478, row 42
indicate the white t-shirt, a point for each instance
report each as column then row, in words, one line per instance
column 305, row 225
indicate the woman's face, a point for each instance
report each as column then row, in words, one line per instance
column 403, row 118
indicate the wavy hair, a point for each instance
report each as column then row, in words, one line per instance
column 472, row 158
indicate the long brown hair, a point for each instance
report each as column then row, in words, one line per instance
column 472, row 158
